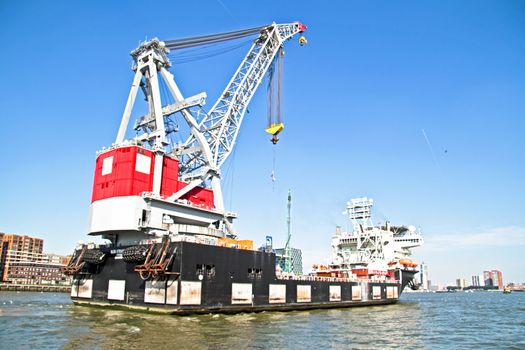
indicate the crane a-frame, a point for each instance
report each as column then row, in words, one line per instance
column 211, row 140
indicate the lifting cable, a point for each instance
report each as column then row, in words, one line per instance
column 201, row 53
column 185, row 43
column 275, row 82
column 272, row 175
column 191, row 49
column 275, row 124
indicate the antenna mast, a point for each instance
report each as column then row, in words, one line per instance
column 287, row 256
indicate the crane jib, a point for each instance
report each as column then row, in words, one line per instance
column 222, row 122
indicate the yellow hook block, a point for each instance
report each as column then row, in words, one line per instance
column 275, row 129
column 302, row 40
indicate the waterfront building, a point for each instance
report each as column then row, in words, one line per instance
column 434, row 288
column 481, row 280
column 487, row 278
column 22, row 261
column 461, row 283
column 517, row 286
column 493, row 278
column 476, row 282
column 16, row 248
column 296, row 259
column 497, row 279
column 423, row 273
column 57, row 259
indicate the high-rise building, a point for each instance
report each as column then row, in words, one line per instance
column 493, row 278
column 481, row 280
column 461, row 283
column 296, row 259
column 16, row 249
column 497, row 278
column 423, row 273
column 487, row 278
column 22, row 261
column 476, row 282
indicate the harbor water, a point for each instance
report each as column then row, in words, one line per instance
column 478, row 320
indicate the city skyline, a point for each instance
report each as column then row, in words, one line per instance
column 418, row 106
column 472, row 279
column 487, row 277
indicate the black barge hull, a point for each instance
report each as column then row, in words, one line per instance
column 211, row 279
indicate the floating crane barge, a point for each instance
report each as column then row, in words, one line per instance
column 172, row 246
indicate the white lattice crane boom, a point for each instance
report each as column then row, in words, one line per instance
column 221, row 125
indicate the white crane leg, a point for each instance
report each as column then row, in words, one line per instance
column 217, row 194
column 160, row 128
column 129, row 105
column 157, row 106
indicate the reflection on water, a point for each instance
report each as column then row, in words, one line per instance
column 460, row 320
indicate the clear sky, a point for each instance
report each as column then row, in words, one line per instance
column 374, row 79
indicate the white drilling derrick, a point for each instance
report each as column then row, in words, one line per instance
column 367, row 239
column 213, row 133
column 359, row 210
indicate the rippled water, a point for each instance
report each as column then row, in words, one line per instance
column 419, row 320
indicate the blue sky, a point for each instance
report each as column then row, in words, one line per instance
column 357, row 98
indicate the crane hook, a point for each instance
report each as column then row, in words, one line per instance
column 302, row 40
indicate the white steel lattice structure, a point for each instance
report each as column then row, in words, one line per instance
column 213, row 134
column 220, row 126
column 369, row 242
column 369, row 245
column 359, row 210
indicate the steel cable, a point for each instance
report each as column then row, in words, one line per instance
column 201, row 53
column 183, row 43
